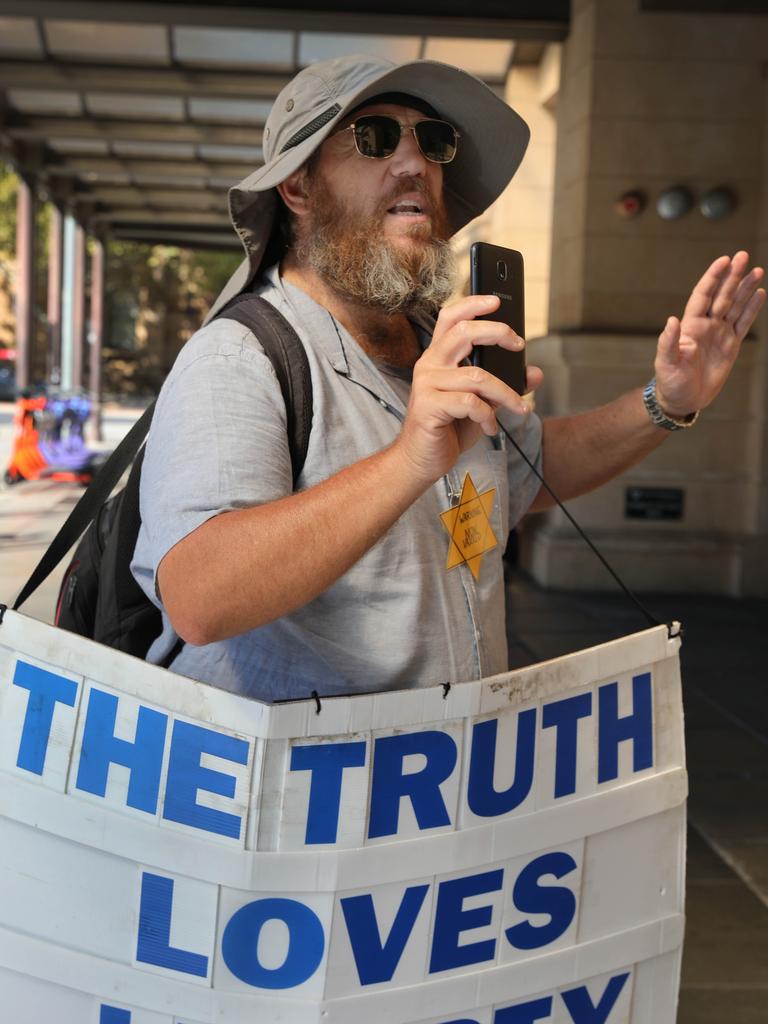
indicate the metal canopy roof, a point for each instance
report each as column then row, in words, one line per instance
column 143, row 114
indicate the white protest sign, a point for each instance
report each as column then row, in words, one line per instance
column 506, row 852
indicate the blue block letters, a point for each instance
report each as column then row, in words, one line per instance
column 637, row 727
column 524, row 1013
column 583, row 1010
column 113, row 1015
column 326, row 762
column 531, row 898
column 451, row 920
column 144, row 757
column 564, row 715
column 46, row 689
column 482, row 798
column 377, row 961
column 389, row 785
column 240, row 943
column 186, row 776
column 154, row 946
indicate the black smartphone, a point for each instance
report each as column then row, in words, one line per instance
column 495, row 270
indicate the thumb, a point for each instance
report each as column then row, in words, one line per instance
column 669, row 341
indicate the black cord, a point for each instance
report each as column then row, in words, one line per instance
column 648, row 615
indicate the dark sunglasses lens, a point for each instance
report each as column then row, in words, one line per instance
column 437, row 140
column 376, row 136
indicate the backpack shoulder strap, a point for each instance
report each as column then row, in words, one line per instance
column 89, row 504
column 289, row 358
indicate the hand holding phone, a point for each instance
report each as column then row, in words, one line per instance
column 495, row 270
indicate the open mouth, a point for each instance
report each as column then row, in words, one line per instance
column 408, row 208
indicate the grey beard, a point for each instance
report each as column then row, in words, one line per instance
column 368, row 269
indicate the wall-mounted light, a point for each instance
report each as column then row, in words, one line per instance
column 717, row 203
column 674, row 202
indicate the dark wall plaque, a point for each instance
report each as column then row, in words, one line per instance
column 654, row 503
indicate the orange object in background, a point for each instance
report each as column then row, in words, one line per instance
column 27, row 461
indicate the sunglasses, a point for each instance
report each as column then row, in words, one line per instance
column 378, row 136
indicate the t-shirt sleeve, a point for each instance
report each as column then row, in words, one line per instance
column 218, row 440
column 523, row 483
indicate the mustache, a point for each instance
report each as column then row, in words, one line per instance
column 403, row 187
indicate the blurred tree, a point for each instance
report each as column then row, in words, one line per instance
column 155, row 298
column 8, row 184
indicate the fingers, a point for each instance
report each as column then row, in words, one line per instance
column 724, row 292
column 534, row 378
column 465, row 309
column 744, row 293
column 457, row 331
column 476, row 381
column 457, row 344
column 707, row 287
column 729, row 284
column 447, row 406
column 747, row 317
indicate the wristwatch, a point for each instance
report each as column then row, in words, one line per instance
column 657, row 414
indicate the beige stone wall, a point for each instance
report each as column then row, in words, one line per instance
column 649, row 101
column 572, row 170
column 756, row 561
column 713, row 464
column 522, row 216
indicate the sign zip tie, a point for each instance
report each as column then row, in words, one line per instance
column 318, row 705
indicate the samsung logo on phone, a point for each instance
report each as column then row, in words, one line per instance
column 504, row 295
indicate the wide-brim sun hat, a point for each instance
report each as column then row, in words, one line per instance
column 492, row 144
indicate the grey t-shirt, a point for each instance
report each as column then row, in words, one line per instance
column 398, row 617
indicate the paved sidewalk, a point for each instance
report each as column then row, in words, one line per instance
column 725, row 683
column 724, row 661
column 32, row 511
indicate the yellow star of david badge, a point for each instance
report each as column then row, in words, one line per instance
column 469, row 527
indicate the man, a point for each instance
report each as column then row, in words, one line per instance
column 343, row 586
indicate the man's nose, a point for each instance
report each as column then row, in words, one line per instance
column 408, row 158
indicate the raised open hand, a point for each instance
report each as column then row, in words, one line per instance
column 695, row 355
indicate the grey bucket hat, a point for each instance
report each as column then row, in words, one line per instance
column 493, row 141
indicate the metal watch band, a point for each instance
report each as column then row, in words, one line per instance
column 657, row 414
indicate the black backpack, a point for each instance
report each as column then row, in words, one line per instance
column 99, row 597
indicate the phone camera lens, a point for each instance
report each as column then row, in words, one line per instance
column 501, row 270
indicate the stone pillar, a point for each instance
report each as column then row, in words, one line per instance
column 521, row 218
column 67, row 303
column 756, row 549
column 647, row 101
column 25, row 280
column 78, row 308
column 95, row 337
column 55, row 254
column 73, row 305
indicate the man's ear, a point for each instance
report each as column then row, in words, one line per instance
column 293, row 192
